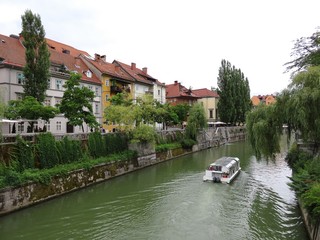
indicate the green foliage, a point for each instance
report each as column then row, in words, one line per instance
column 69, row 150
column 306, row 53
column 36, row 69
column 121, row 99
column 167, row 146
column 76, row 103
column 311, row 200
column 196, row 121
column 305, row 180
column 10, row 177
column 96, row 145
column 234, row 94
column 296, row 158
column 116, row 142
column 264, row 128
column 181, row 111
column 187, row 143
column 29, row 108
column 303, row 98
column 144, row 133
column 23, row 155
column 46, row 150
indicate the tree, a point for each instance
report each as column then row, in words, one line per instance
column 234, row 93
column 36, row 70
column 297, row 106
column 306, row 53
column 165, row 114
column 196, row 121
column 76, row 103
column 29, row 108
column 264, row 128
column 181, row 111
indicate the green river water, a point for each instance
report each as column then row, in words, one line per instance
column 170, row 201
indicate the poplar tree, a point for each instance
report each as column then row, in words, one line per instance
column 234, row 93
column 36, row 69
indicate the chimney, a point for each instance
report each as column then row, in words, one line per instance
column 96, row 56
column 103, row 58
column 133, row 66
column 145, row 70
column 14, row 36
column 175, row 82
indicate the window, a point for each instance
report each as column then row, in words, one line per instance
column 58, row 126
column 49, row 83
column 210, row 113
column 158, row 92
column 58, row 84
column 47, row 125
column 20, row 78
column 97, row 108
column 89, row 74
column 90, row 87
column 19, row 96
column 21, row 127
column 107, row 83
column 107, row 97
column 97, row 92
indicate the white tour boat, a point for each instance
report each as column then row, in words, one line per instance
column 223, row 170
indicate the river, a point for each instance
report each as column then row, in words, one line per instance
column 170, row 201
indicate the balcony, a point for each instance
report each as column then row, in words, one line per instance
column 115, row 89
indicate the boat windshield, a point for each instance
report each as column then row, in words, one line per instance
column 215, row 168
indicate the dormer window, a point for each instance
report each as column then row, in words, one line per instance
column 88, row 74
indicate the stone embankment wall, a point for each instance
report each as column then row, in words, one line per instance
column 15, row 198
column 312, row 228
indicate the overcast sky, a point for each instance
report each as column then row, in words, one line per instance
column 183, row 40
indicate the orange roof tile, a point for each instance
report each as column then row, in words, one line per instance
column 138, row 74
column 64, row 48
column 13, row 53
column 204, row 92
column 109, row 69
column 177, row 90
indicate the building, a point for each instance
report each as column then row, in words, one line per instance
column 179, row 94
column 63, row 59
column 263, row 99
column 113, row 80
column 143, row 82
column 209, row 100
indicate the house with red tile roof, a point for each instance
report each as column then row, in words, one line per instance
column 113, row 80
column 179, row 94
column 263, row 99
column 209, row 100
column 63, row 59
column 144, row 83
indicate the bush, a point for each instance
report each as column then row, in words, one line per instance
column 144, row 133
column 116, row 142
column 23, row 155
column 187, row 143
column 96, row 146
column 167, row 146
column 69, row 150
column 47, row 150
